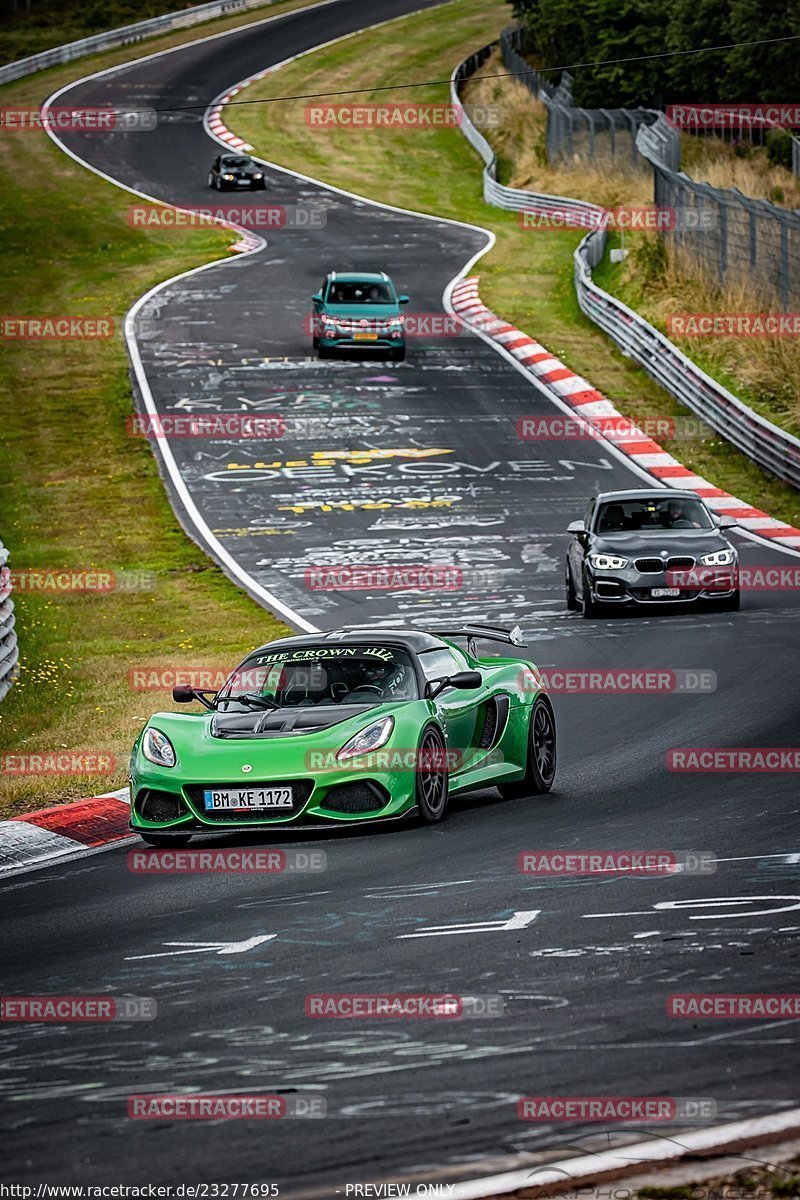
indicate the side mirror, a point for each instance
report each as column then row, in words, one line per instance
column 576, row 527
column 183, row 695
column 463, row 680
column 403, row 299
column 725, row 522
column 317, row 297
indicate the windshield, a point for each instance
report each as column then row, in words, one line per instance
column 238, row 162
column 320, row 675
column 347, row 292
column 658, row 513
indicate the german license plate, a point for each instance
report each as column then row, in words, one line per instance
column 365, row 337
column 658, row 593
column 276, row 799
column 243, row 182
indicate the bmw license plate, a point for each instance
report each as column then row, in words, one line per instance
column 276, row 799
column 242, row 182
column 657, row 593
column 365, row 337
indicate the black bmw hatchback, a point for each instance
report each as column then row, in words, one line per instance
column 639, row 548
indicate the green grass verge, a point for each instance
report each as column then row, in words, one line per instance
column 75, row 490
column 527, row 277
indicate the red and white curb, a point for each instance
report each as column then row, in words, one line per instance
column 43, row 837
column 551, row 374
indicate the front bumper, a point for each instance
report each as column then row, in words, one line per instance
column 634, row 588
column 349, row 342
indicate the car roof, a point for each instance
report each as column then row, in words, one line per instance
column 647, row 494
column 412, row 639
column 359, row 276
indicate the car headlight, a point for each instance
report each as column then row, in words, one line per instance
column 607, row 562
column 227, row 177
column 720, row 558
column 257, row 175
column 157, row 748
column 372, row 738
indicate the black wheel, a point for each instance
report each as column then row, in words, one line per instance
column 589, row 606
column 166, row 839
column 315, row 342
column 540, row 767
column 399, row 354
column 572, row 599
column 324, row 351
column 432, row 776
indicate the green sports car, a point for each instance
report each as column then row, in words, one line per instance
column 357, row 725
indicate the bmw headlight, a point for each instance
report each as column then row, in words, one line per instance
column 157, row 748
column 607, row 562
column 372, row 738
column 257, row 175
column 720, row 558
column 227, row 177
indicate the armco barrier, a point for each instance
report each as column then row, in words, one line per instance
column 9, row 650
column 766, row 444
column 124, row 36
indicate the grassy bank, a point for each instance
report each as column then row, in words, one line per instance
column 527, row 277
column 75, row 490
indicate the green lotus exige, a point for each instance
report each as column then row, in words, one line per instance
column 357, row 725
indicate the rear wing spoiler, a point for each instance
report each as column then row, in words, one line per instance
column 474, row 630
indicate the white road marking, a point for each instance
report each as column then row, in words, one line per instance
column 718, row 902
column 520, row 920
column 207, row 947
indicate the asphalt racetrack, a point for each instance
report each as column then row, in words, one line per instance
column 586, row 969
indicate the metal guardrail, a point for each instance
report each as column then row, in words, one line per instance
column 124, row 36
column 9, row 650
column 772, row 448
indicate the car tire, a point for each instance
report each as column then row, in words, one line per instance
column 165, row 839
column 399, row 354
column 324, row 351
column 542, row 756
column 315, row 342
column 572, row 599
column 589, row 606
column 432, row 778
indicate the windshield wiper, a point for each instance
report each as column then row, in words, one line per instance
column 251, row 700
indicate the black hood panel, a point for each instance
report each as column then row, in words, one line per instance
column 283, row 722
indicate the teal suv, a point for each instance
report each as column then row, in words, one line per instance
column 359, row 311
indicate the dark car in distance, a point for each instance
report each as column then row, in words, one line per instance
column 234, row 172
column 645, row 547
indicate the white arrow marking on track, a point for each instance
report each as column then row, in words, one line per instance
column 520, row 920
column 207, row 947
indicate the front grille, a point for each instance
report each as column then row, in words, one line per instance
column 651, row 566
column 153, row 805
column 356, row 798
column 301, row 790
